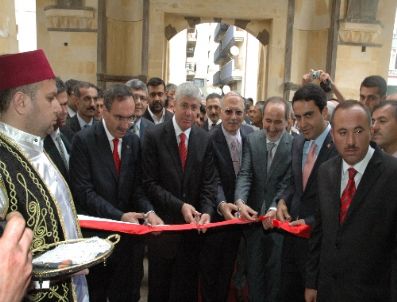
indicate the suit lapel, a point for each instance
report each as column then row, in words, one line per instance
column 104, row 152
column 221, row 145
column 126, row 150
column 372, row 173
column 172, row 146
column 280, row 155
column 322, row 157
column 297, row 165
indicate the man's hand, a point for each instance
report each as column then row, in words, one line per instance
column 15, row 259
column 132, row 217
column 310, row 295
column 153, row 219
column 282, row 211
column 204, row 219
column 297, row 222
column 189, row 213
column 268, row 218
column 227, row 210
column 246, row 212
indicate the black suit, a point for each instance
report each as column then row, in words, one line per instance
column 144, row 125
column 301, row 204
column 220, row 245
column 356, row 261
column 53, row 152
column 167, row 116
column 99, row 191
column 173, row 258
column 72, row 127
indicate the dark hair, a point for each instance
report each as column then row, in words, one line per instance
column 136, row 84
column 154, row 82
column 350, row 104
column 278, row 100
column 170, row 87
column 61, row 87
column 213, row 96
column 70, row 86
column 81, row 84
column 382, row 104
column 375, row 81
column 202, row 109
column 311, row 92
column 117, row 92
column 261, row 106
column 249, row 101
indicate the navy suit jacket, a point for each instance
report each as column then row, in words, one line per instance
column 52, row 151
column 302, row 204
column 97, row 188
column 356, row 261
column 166, row 184
column 224, row 164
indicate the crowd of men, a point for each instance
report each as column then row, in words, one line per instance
column 158, row 154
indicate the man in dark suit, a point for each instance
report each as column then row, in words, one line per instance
column 140, row 94
column 56, row 144
column 213, row 109
column 156, row 111
column 179, row 178
column 220, row 245
column 353, row 250
column 105, row 176
column 298, row 201
column 265, row 173
column 85, row 95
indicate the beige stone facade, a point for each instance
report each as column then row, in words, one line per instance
column 112, row 40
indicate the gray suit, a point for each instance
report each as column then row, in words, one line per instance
column 261, row 190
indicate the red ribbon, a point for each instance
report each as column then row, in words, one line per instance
column 139, row 229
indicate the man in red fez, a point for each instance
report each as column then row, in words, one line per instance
column 29, row 182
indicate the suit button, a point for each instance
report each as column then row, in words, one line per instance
column 337, row 245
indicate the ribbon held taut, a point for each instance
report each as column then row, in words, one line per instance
column 140, row 229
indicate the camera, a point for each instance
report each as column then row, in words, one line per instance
column 315, row 74
column 325, row 85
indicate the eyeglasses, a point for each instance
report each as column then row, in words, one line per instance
column 231, row 111
column 129, row 119
column 139, row 97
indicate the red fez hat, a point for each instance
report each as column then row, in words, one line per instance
column 24, row 68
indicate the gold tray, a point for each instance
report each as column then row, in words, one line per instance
column 40, row 273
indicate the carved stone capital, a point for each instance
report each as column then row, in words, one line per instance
column 359, row 33
column 60, row 19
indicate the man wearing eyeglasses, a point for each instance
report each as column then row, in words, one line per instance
column 156, row 111
column 86, row 95
column 106, row 182
column 220, row 245
column 140, row 94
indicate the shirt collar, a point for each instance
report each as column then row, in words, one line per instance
column 361, row 165
column 55, row 134
column 154, row 117
column 83, row 122
column 23, row 138
column 178, row 129
column 231, row 137
column 321, row 138
column 108, row 134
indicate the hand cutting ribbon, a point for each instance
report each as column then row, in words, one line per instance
column 139, row 229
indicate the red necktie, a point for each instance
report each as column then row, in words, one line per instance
column 116, row 157
column 347, row 195
column 309, row 164
column 182, row 149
